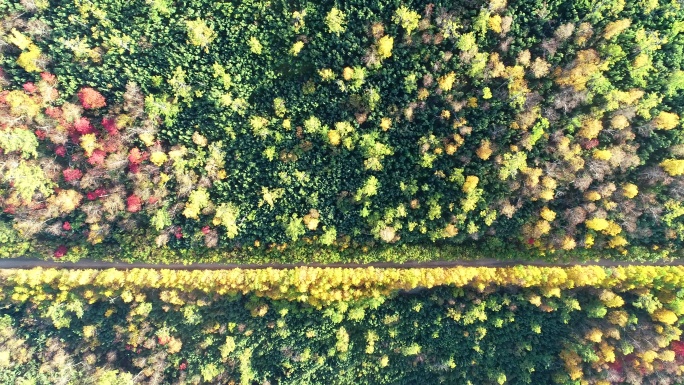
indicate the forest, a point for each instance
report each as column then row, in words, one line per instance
column 570, row 326
column 194, row 130
column 493, row 144
column 479, row 192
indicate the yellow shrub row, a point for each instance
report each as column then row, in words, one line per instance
column 324, row 285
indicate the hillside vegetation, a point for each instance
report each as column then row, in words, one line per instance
column 580, row 325
column 153, row 128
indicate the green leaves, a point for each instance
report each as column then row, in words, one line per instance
column 19, row 140
column 295, row 228
column 377, row 104
column 161, row 219
column 336, row 21
column 369, row 189
column 407, row 18
column 199, row 33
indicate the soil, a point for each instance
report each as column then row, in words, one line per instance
column 26, row 263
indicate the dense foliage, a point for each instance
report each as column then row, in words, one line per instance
column 295, row 131
column 545, row 125
column 490, row 326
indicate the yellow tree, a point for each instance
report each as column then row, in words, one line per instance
column 585, row 65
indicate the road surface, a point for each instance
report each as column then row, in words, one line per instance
column 26, row 263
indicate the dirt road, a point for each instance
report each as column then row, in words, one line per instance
column 25, row 263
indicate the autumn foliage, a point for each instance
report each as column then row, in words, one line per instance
column 91, row 99
column 575, row 324
column 90, row 170
column 460, row 124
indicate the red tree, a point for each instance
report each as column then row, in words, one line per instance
column 91, row 99
column 83, row 126
column 133, row 204
column 72, row 174
column 61, row 251
column 97, row 158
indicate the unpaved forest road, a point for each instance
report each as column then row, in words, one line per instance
column 26, row 263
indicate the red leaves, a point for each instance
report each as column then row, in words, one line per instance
column 60, row 251
column 53, row 112
column 66, row 226
column 100, row 192
column 183, row 365
column 91, row 99
column 49, row 78
column 60, row 150
column 111, row 146
column 37, row 206
column 588, row 145
column 530, row 241
column 206, row 230
column 30, row 87
column 97, row 158
column 616, row 366
column 110, row 126
column 135, row 156
column 179, row 233
column 678, row 348
column 71, row 174
column 133, row 204
column 83, row 126
column 133, row 348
